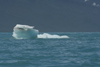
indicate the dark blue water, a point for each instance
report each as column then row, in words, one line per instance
column 80, row 50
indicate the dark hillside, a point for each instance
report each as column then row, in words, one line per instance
column 51, row 15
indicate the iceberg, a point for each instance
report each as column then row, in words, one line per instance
column 28, row 32
column 49, row 36
column 24, row 32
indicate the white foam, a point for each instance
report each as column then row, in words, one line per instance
column 49, row 36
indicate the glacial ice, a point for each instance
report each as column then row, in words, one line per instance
column 28, row 32
column 24, row 32
column 49, row 36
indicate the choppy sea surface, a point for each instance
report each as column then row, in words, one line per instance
column 79, row 50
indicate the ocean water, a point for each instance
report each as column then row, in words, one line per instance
column 79, row 50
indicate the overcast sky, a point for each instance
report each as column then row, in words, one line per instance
column 51, row 15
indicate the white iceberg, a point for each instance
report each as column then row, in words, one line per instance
column 28, row 32
column 49, row 36
column 24, row 32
